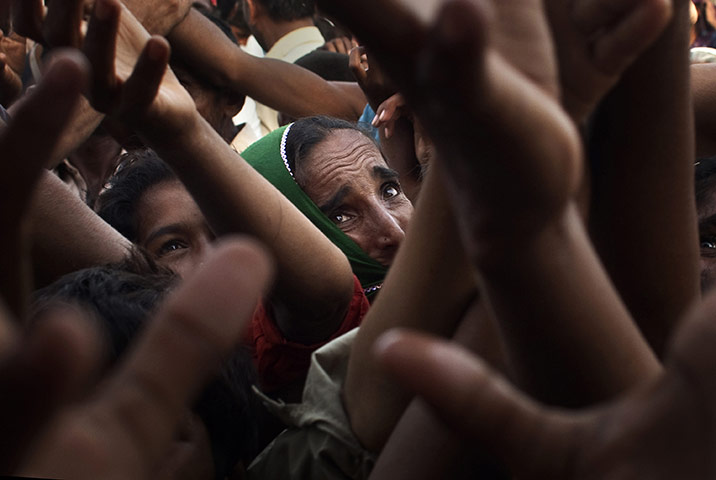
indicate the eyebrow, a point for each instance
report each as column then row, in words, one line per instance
column 385, row 173
column 167, row 229
column 336, row 200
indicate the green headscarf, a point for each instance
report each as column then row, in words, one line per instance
column 267, row 156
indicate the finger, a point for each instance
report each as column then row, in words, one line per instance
column 692, row 349
column 42, row 372
column 63, row 22
column 27, row 18
column 342, row 45
column 376, row 119
column 27, row 145
column 143, row 84
column 391, row 28
column 198, row 326
column 339, row 46
column 592, row 15
column 100, row 46
column 618, row 46
column 354, row 62
column 37, row 125
column 474, row 402
column 330, row 46
column 459, row 32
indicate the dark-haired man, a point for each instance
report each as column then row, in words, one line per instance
column 286, row 31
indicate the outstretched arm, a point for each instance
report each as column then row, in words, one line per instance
column 631, row 438
column 429, row 287
column 24, row 152
column 515, row 162
column 280, row 85
column 67, row 235
column 703, row 78
column 314, row 279
column 643, row 168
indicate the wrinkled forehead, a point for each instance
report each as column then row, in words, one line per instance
column 345, row 161
column 342, row 151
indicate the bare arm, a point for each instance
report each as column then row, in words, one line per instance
column 643, row 139
column 280, row 85
column 67, row 235
column 703, row 78
column 537, row 267
column 430, row 295
column 314, row 280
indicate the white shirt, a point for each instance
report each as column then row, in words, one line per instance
column 288, row 48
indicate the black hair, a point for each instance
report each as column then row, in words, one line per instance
column 308, row 132
column 287, row 10
column 704, row 178
column 140, row 170
column 225, row 7
column 121, row 301
column 231, row 12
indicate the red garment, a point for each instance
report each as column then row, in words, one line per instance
column 280, row 361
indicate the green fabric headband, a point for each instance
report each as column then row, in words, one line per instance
column 268, row 157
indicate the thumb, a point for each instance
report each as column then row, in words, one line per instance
column 473, row 401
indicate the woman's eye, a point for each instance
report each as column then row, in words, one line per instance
column 340, row 218
column 171, row 246
column 391, row 190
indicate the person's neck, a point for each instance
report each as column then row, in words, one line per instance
column 274, row 30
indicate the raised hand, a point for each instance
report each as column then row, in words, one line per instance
column 597, row 40
column 125, row 429
column 129, row 69
column 26, row 144
column 513, row 160
column 663, row 430
column 36, row 371
column 12, row 63
column 339, row 45
column 371, row 78
column 389, row 112
column 457, row 79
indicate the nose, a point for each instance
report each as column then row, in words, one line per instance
column 389, row 236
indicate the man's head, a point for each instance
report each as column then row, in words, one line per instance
column 218, row 105
column 269, row 19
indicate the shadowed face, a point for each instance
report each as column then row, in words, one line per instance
column 347, row 177
column 171, row 226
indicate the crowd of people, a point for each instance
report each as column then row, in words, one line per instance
column 279, row 239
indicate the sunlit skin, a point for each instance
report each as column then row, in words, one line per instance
column 347, row 177
column 171, row 227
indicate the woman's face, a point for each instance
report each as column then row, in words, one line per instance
column 346, row 176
